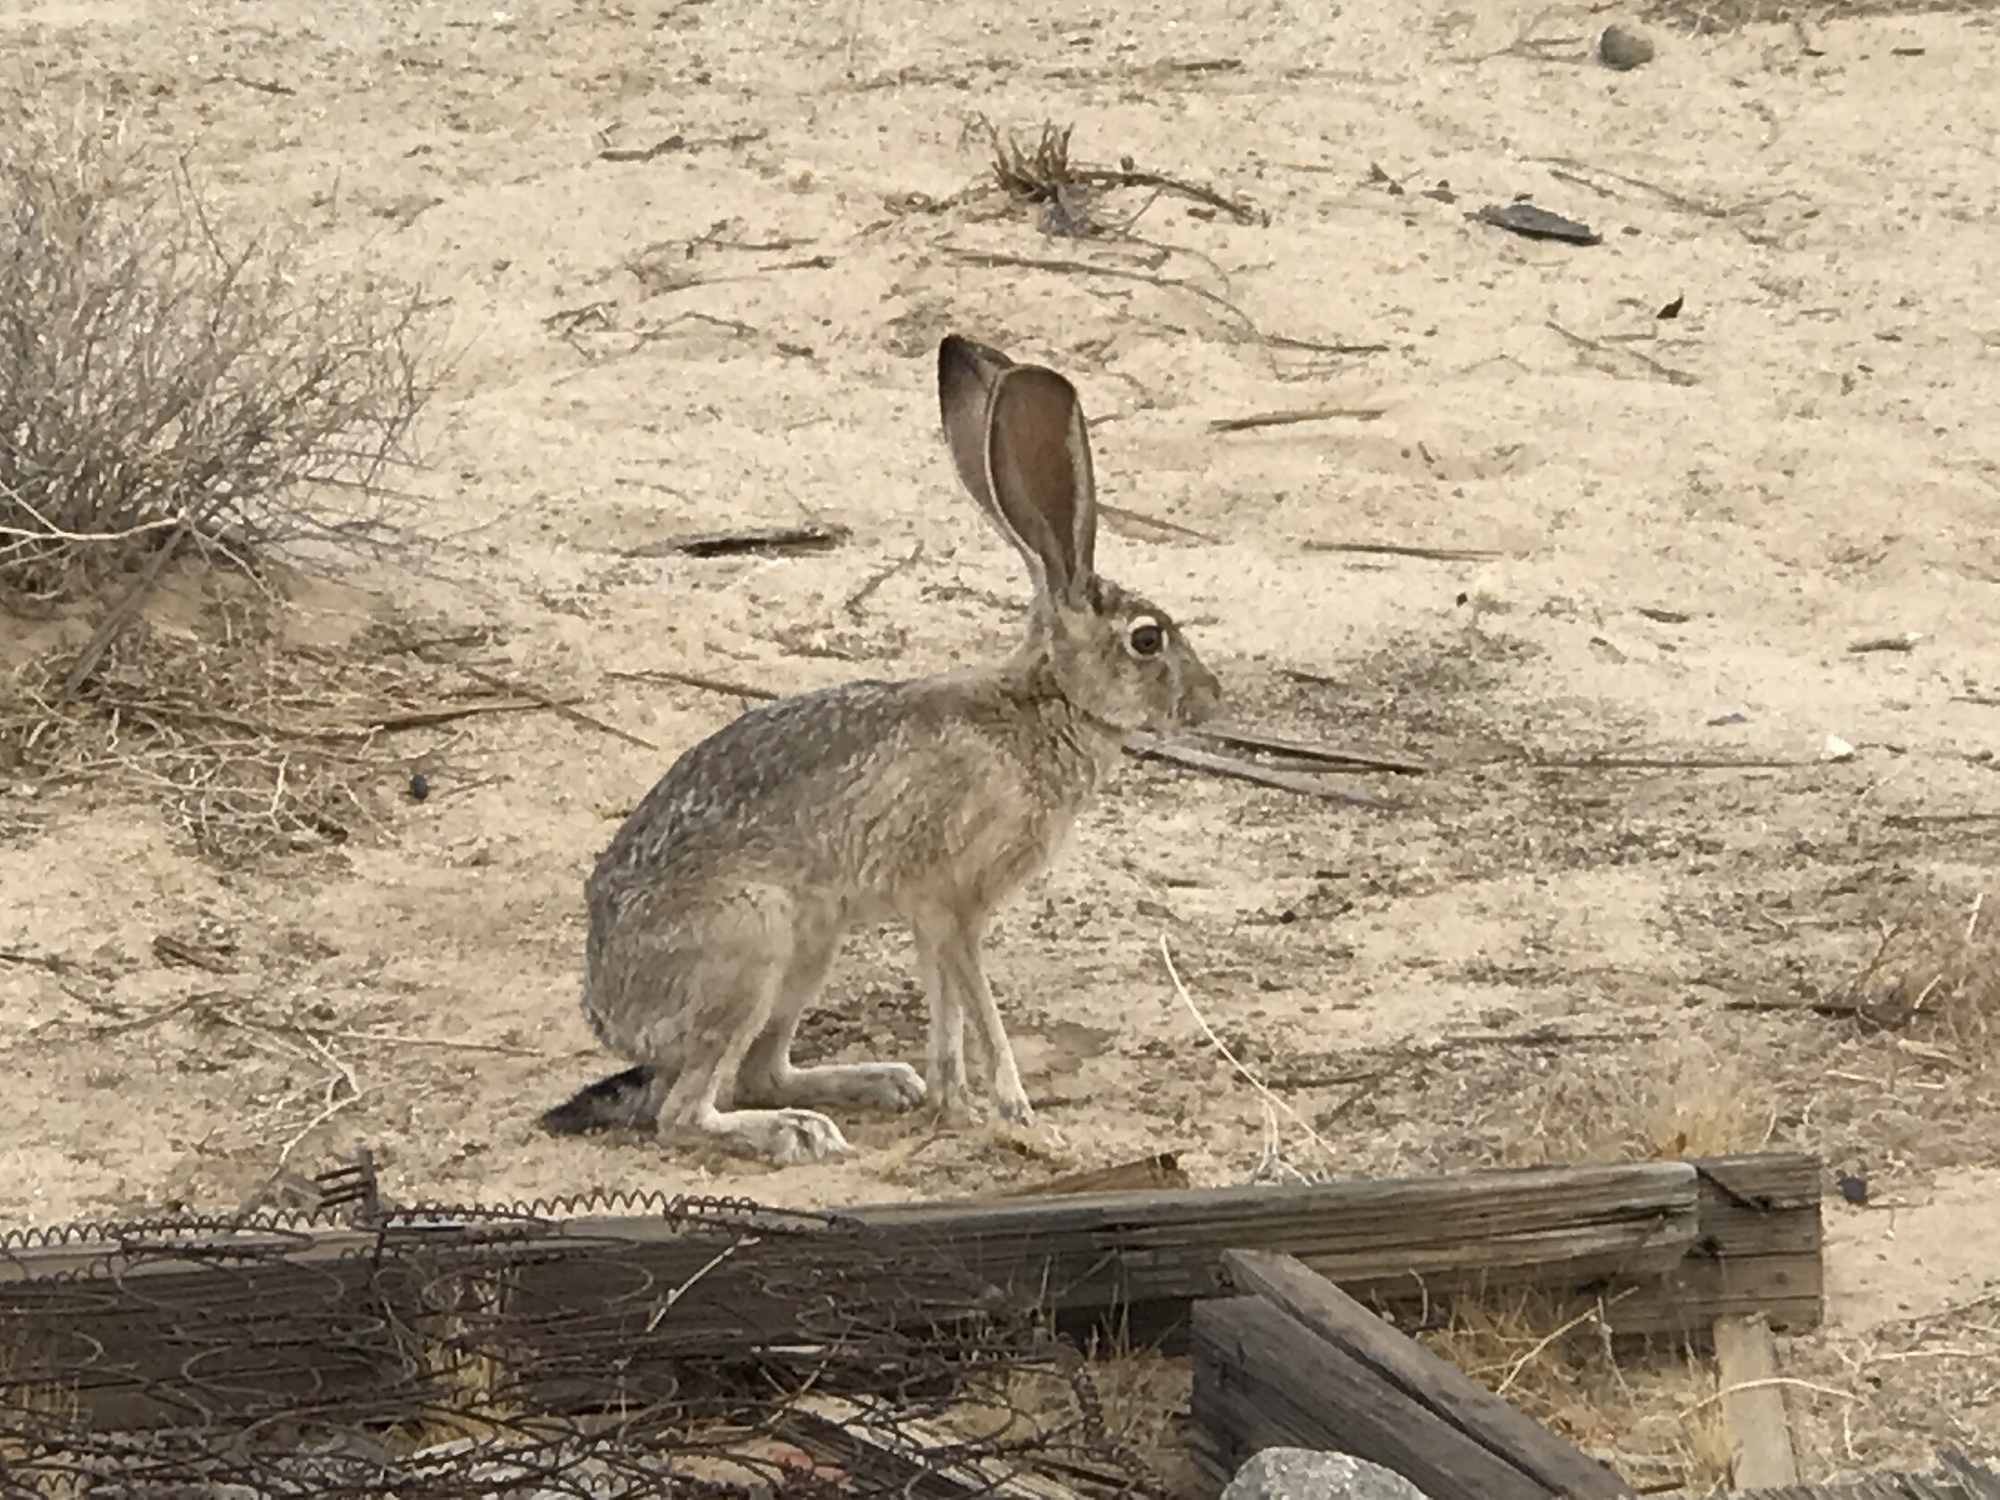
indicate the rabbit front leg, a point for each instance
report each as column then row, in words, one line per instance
column 966, row 980
column 944, row 1055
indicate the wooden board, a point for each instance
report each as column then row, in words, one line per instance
column 1758, row 1252
column 1434, row 1388
column 1094, row 1259
column 1262, row 1379
column 1753, row 1406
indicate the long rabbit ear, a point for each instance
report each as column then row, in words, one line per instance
column 1038, row 467
column 967, row 374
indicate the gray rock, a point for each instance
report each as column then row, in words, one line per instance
column 1621, row 47
column 1303, row 1474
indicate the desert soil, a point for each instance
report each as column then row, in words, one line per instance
column 1678, row 530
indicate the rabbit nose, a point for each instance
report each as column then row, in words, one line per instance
column 1204, row 694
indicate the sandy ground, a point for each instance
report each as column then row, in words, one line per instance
column 1689, row 522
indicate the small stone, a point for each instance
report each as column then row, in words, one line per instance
column 1303, row 1474
column 1621, row 47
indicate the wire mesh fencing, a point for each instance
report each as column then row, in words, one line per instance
column 603, row 1346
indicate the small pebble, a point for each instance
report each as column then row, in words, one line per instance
column 1621, row 47
column 420, row 787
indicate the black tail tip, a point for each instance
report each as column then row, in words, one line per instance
column 610, row 1102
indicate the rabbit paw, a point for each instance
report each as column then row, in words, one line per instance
column 1011, row 1100
column 795, row 1136
column 889, row 1086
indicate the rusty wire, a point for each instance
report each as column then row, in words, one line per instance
column 601, row 1346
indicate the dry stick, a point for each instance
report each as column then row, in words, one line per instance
column 1140, row 518
column 399, row 1039
column 563, row 709
column 1270, row 1099
column 1679, row 200
column 1665, row 372
column 1401, row 549
column 1003, row 261
column 1146, row 746
column 860, row 596
column 123, row 611
column 1648, row 763
column 1331, row 755
column 696, row 680
column 1289, row 418
column 1241, row 212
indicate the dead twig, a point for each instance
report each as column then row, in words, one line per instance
column 999, row 260
column 1147, row 747
column 575, row 716
column 808, row 536
column 1651, row 763
column 1906, row 641
column 1406, row 549
column 697, row 680
column 1289, row 418
column 1155, row 523
column 678, row 142
column 852, row 604
column 1607, row 351
column 262, row 86
column 1305, row 750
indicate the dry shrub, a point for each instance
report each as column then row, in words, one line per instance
column 1935, row 970
column 252, row 744
column 164, row 377
column 1681, row 1097
column 1912, row 1075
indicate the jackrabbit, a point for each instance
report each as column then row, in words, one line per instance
column 717, row 909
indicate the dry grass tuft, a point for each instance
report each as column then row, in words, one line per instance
column 1936, row 969
column 1554, row 1361
column 165, row 379
column 251, row 744
column 1684, row 1097
column 1133, row 1394
column 1037, row 173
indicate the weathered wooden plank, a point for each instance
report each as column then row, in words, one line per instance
column 1406, row 1366
column 1753, row 1406
column 1758, row 1251
column 1090, row 1258
column 1263, row 1379
column 1555, row 1227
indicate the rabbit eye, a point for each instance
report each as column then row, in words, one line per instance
column 1147, row 637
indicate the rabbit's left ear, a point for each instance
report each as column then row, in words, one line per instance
column 967, row 374
column 1038, row 466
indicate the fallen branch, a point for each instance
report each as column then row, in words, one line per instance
column 1665, row 372
column 1148, row 747
column 1139, row 518
column 678, row 142
column 697, row 680
column 1305, row 750
column 1403, row 549
column 1290, row 418
column 575, row 716
column 808, row 536
column 852, row 604
column 1001, row 261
